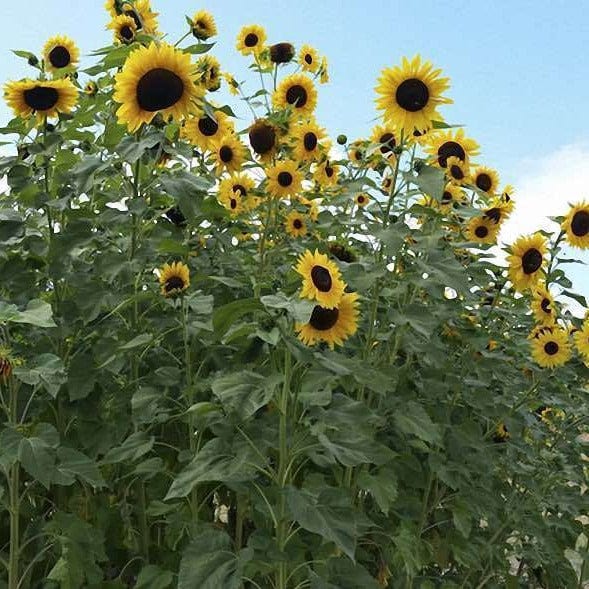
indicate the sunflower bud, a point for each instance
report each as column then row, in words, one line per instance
column 342, row 139
column 281, row 52
column 33, row 61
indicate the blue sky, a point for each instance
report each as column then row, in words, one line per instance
column 518, row 70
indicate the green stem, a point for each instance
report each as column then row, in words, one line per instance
column 262, row 249
column 14, row 499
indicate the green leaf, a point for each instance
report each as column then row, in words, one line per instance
column 135, row 446
column 462, row 518
column 74, row 464
column 224, row 317
column 430, row 179
column 198, row 48
column 210, row 563
column 333, row 522
column 138, row 341
column 131, row 150
column 412, row 418
column 245, row 392
column 38, row 459
column 382, row 485
column 37, row 313
column 46, row 370
column 152, row 577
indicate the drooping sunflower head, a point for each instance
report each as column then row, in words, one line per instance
column 295, row 224
column 240, row 184
column 205, row 129
column 331, row 325
column 486, row 179
column 482, row 231
column 140, row 11
column 234, row 202
column 357, row 151
column 576, row 225
column 296, row 92
column 551, row 347
column 362, row 199
column 326, row 174
column 203, row 25
column 308, row 137
column 543, row 305
column 322, row 280
column 499, row 211
column 527, row 261
column 281, row 52
column 251, row 39
column 386, row 138
column 263, row 138
column 232, row 83
column 229, row 153
column 342, row 251
column 45, row 98
column 451, row 196
column 507, row 193
column 209, row 72
column 124, row 29
column 174, row 279
column 284, row 179
column 457, row 171
column 60, row 52
column 409, row 95
column 155, row 79
column 444, row 145
column 309, row 59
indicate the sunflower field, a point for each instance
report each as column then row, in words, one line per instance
column 238, row 353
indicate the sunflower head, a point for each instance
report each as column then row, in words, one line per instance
column 527, row 260
column 281, row 52
column 486, row 179
column 482, row 231
column 284, row 179
column 501, row 434
column 323, row 72
column 204, row 129
column 251, row 39
column 263, row 138
column 309, row 59
column 409, row 95
column 576, row 225
column 551, row 347
column 203, row 25
column 45, row 98
column 444, row 145
column 308, row 138
column 174, row 279
column 322, row 280
column 209, row 72
column 142, row 14
column 155, row 79
column 326, row 174
column 543, row 306
column 499, row 211
column 342, row 252
column 386, row 138
column 124, row 29
column 362, row 199
column 295, row 224
column 296, row 92
column 91, row 88
column 60, row 52
column 451, row 196
column 457, row 171
column 581, row 337
column 229, row 153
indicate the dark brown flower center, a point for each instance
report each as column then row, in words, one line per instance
column 484, row 182
column 308, row 58
column 297, row 224
column 580, row 223
column 226, row 154
column 310, row 141
column 262, row 138
column 481, row 232
column 494, row 214
column 323, row 319
column 456, row 172
column 329, row 171
column 284, row 179
column 321, row 278
column 233, row 203
column 41, row 97
column 446, row 197
column 388, row 142
column 361, row 199
column 173, row 283
column 159, row 89
column 551, row 348
column 296, row 96
column 545, row 305
column 126, row 33
column 240, row 189
column 450, row 149
column 208, row 126
column 281, row 53
column 531, row 261
column 59, row 57
column 251, row 40
column 412, row 95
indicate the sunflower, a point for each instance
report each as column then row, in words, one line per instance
column 60, row 52
column 527, row 260
column 444, row 145
column 111, row 7
column 357, row 151
column 45, row 98
column 236, row 183
column 576, row 225
column 385, row 137
column 297, row 92
column 581, row 337
column 124, row 29
column 263, row 138
column 203, row 25
column 486, row 179
column 229, row 153
column 322, row 280
column 309, row 59
column 331, row 325
column 233, row 202
column 451, row 196
column 154, row 79
column 543, row 305
column 551, row 347
column 174, row 278
column 91, row 88
column 481, row 230
column 295, row 224
column 410, row 94
column 457, row 171
column 204, row 130
column 499, row 211
column 307, row 139
column 501, row 434
column 507, row 193
column 326, row 174
column 232, row 83
column 251, row 39
column 284, row 179
column 140, row 11
column 362, row 199
column 281, row 52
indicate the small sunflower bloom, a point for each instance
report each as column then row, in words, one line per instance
column 251, row 39
column 284, row 179
column 551, row 347
column 322, row 280
column 296, row 92
column 295, row 224
column 309, row 59
column 576, row 225
column 124, row 29
column 444, row 145
column 203, row 25
column 527, row 261
column 174, row 279
column 60, row 52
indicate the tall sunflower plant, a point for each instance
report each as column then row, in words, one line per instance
column 237, row 351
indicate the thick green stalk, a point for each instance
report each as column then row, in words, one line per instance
column 14, row 499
